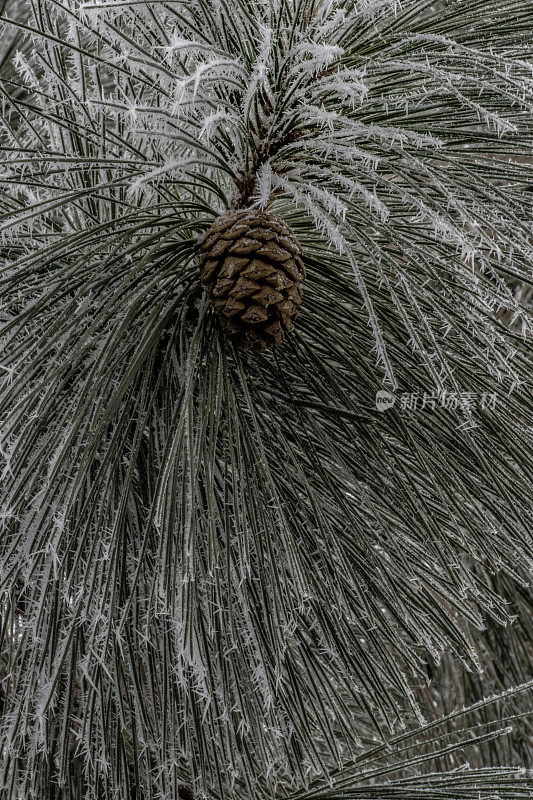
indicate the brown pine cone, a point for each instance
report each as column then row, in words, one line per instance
column 251, row 266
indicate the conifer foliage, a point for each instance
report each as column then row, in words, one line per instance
column 224, row 570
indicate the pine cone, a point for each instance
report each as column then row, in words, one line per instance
column 251, row 266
